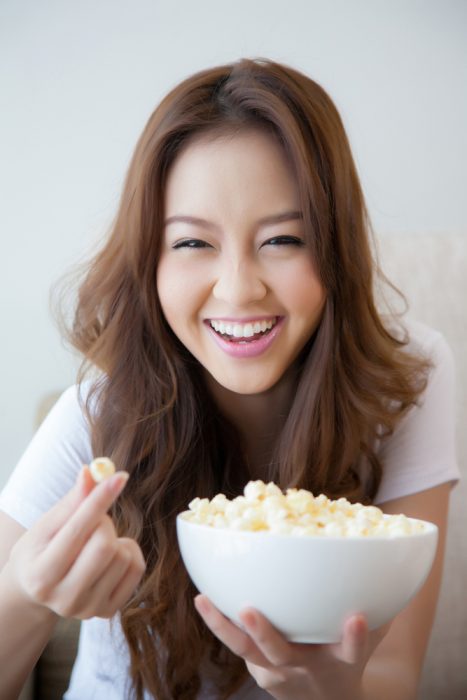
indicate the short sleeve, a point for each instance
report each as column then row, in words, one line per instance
column 421, row 453
column 51, row 462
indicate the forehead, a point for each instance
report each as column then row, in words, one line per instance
column 246, row 169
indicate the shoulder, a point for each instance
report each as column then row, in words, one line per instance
column 52, row 460
column 428, row 343
column 420, row 338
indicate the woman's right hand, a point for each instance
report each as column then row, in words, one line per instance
column 71, row 560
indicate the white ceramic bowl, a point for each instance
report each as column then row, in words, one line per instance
column 306, row 586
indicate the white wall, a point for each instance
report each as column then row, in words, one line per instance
column 79, row 79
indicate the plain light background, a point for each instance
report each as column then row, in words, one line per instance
column 79, row 80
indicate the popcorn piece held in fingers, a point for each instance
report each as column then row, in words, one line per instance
column 101, row 468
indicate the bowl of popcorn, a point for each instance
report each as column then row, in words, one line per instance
column 305, row 562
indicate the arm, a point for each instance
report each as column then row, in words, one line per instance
column 71, row 564
column 25, row 630
column 423, row 450
column 395, row 667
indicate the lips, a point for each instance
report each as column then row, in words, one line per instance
column 244, row 340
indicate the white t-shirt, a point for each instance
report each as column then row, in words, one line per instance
column 419, row 455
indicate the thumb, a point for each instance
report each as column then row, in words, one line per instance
column 354, row 645
column 57, row 516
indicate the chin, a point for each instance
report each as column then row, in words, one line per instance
column 249, row 391
column 246, row 387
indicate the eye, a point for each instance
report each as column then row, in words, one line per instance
column 284, row 240
column 191, row 243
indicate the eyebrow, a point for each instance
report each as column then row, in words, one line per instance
column 264, row 221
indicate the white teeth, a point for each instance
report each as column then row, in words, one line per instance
column 243, row 330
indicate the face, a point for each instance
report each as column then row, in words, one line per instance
column 236, row 280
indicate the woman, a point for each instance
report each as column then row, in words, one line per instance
column 229, row 332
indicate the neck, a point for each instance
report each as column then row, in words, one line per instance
column 259, row 418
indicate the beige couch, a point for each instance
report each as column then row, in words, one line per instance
column 432, row 271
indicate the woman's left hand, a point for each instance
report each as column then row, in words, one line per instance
column 291, row 671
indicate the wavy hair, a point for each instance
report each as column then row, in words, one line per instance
column 155, row 417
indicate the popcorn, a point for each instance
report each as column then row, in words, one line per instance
column 264, row 507
column 101, row 468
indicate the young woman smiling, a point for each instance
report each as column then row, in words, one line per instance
column 229, row 331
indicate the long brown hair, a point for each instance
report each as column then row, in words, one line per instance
column 155, row 417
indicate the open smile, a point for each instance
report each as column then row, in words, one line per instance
column 247, row 338
column 238, row 332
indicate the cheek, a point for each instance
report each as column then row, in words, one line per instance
column 303, row 292
column 168, row 289
column 180, row 290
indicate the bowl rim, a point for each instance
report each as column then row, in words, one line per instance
column 430, row 529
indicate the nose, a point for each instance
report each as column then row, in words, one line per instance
column 239, row 283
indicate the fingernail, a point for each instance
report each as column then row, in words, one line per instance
column 249, row 620
column 118, row 482
column 201, row 606
column 80, row 478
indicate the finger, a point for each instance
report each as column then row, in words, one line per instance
column 98, row 600
column 239, row 642
column 119, row 580
column 354, row 645
column 64, row 548
column 93, row 560
column 100, row 592
column 272, row 644
column 128, row 583
column 57, row 516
